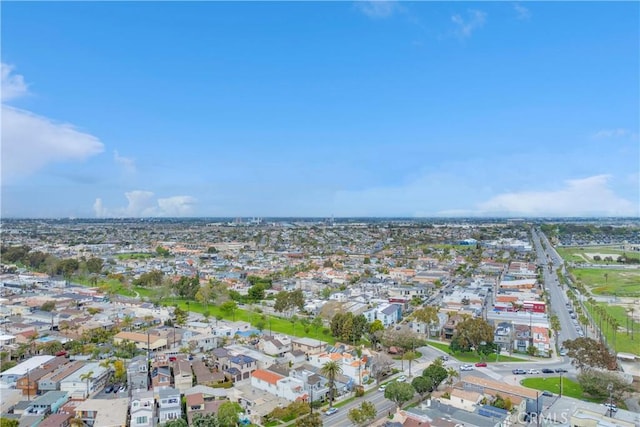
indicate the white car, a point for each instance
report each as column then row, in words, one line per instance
column 533, row 371
column 402, row 378
column 466, row 367
column 382, row 387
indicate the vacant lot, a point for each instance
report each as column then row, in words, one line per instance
column 552, row 384
column 622, row 283
column 585, row 254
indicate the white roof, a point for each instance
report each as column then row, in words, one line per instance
column 27, row 365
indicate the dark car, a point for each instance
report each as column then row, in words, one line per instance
column 547, row 393
column 548, row 371
column 108, row 389
column 560, row 370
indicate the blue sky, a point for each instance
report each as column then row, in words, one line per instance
column 319, row 109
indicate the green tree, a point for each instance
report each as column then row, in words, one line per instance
column 95, row 265
column 436, row 373
column 87, row 376
column 422, row 385
column 452, row 374
column 256, row 292
column 589, row 353
column 178, row 422
column 363, row 414
column 7, row 422
column 48, row 306
column 229, row 307
column 180, row 316
column 312, row 420
column 205, row 295
column 317, row 324
column 205, row 420
column 331, row 370
column 472, row 332
column 428, row 315
column 187, row 287
column 595, row 383
column 410, row 356
column 228, row 414
column 399, row 393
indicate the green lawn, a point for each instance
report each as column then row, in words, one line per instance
column 273, row 323
column 623, row 341
column 138, row 255
column 569, row 388
column 617, row 282
column 584, row 254
column 473, row 357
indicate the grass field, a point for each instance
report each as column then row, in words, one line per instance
column 273, row 323
column 623, row 341
column 552, row 384
column 584, row 254
column 137, row 255
column 617, row 282
column 473, row 357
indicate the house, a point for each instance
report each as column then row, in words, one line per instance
column 244, row 365
column 138, row 373
column 51, row 381
column 104, row 412
column 449, row 328
column 169, row 407
column 143, row 409
column 204, row 342
column 48, row 403
column 29, row 383
column 308, row 345
column 85, row 381
column 10, row 376
column 57, row 420
column 204, row 376
column 182, row 375
column 151, row 342
column 389, row 314
column 220, row 358
column 160, row 378
column 463, row 399
column 275, row 346
column 197, row 404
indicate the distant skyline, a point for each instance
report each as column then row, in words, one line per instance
column 320, row 109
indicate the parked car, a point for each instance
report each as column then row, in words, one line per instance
column 548, row 371
column 402, row 378
column 611, row 406
column 563, row 352
column 108, row 389
column 481, row 365
column 547, row 393
column 519, row 372
column 466, row 367
column 382, row 387
column 533, row 371
column 331, row 411
column 560, row 370
column 122, row 388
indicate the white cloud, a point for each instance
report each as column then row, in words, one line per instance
column 465, row 27
column 613, row 133
column 30, row 141
column 378, row 9
column 522, row 12
column 580, row 197
column 126, row 163
column 13, row 85
column 144, row 204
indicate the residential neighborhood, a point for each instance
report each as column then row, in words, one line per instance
column 129, row 323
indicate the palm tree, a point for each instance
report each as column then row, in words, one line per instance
column 331, row 370
column 410, row 356
column 452, row 374
column 614, row 328
column 87, row 377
